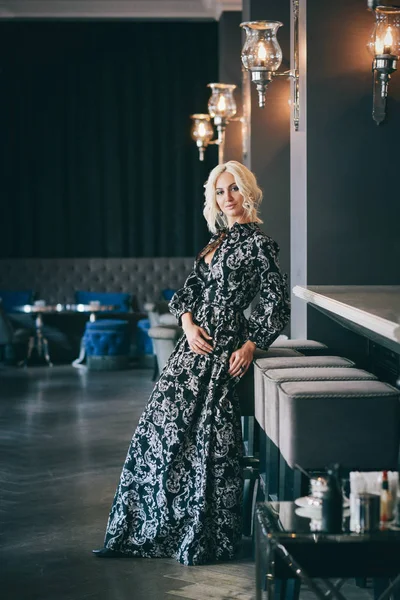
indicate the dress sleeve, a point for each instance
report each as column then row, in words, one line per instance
column 273, row 310
column 184, row 299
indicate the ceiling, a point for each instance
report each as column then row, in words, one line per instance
column 117, row 9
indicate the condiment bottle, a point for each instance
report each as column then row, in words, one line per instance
column 332, row 503
column 386, row 499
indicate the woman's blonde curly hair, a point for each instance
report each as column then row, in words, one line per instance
column 247, row 184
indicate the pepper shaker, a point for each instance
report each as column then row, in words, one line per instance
column 332, row 503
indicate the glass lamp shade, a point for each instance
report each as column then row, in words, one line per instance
column 222, row 103
column 385, row 37
column 261, row 50
column 202, row 130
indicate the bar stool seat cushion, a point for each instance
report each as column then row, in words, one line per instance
column 353, row 423
column 274, row 377
column 286, row 362
column 249, row 386
column 275, row 352
column 309, row 346
column 319, row 374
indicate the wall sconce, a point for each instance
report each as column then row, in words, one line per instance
column 202, row 132
column 384, row 45
column 372, row 4
column 222, row 109
column 262, row 56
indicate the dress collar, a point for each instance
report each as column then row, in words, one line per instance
column 240, row 227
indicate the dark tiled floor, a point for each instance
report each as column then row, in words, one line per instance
column 64, row 434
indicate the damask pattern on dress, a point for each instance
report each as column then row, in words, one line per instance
column 180, row 492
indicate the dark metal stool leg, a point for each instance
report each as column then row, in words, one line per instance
column 379, row 585
column 292, row 483
column 273, row 475
column 279, row 589
column 292, row 589
column 285, row 481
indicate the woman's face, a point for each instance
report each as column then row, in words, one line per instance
column 229, row 199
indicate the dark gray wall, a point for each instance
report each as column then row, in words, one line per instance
column 270, row 133
column 229, row 69
column 352, row 164
column 352, row 211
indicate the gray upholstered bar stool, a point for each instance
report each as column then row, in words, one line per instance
column 353, row 423
column 246, row 393
column 266, row 410
column 306, row 347
column 272, row 379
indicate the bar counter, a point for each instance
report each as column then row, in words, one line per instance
column 371, row 311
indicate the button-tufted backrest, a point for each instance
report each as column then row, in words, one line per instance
column 56, row 280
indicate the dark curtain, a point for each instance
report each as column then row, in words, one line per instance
column 96, row 157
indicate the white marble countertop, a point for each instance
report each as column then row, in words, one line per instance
column 373, row 308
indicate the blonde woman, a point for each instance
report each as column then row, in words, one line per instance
column 180, row 490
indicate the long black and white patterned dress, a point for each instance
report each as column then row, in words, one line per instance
column 180, row 490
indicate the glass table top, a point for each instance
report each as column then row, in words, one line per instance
column 66, row 308
column 288, row 521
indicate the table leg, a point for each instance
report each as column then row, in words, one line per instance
column 46, row 351
column 302, row 575
column 382, row 590
column 264, row 580
column 41, row 342
column 38, row 342
column 78, row 362
column 31, row 345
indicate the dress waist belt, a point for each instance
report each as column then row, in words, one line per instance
column 221, row 305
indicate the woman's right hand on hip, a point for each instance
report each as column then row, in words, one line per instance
column 196, row 337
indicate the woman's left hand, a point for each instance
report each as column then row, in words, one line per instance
column 241, row 359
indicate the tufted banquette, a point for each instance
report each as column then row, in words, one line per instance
column 56, row 280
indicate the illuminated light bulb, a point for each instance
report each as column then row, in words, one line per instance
column 222, row 104
column 388, row 41
column 201, row 130
column 261, row 54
